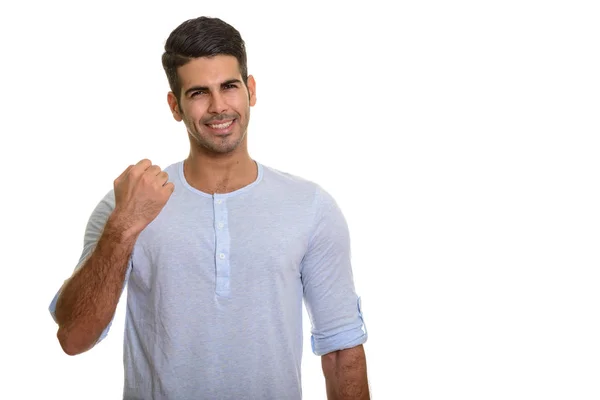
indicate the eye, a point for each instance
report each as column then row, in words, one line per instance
column 230, row 86
column 198, row 93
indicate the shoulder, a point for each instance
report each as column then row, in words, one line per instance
column 288, row 183
column 173, row 169
column 290, row 188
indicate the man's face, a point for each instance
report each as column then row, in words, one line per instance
column 214, row 103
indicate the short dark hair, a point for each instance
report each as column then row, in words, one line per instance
column 201, row 37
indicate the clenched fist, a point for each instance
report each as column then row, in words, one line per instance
column 141, row 192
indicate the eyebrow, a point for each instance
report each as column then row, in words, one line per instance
column 205, row 88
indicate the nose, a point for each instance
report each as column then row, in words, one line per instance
column 217, row 104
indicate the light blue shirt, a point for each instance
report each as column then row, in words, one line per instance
column 215, row 287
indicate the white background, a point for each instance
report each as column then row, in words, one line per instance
column 459, row 138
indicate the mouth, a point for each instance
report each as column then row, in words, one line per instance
column 222, row 128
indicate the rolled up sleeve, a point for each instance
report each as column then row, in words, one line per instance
column 331, row 301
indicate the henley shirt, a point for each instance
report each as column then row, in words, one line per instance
column 215, row 285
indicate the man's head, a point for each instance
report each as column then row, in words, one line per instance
column 211, row 91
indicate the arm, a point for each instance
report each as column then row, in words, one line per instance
column 346, row 374
column 88, row 300
column 334, row 308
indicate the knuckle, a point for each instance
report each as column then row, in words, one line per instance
column 135, row 172
column 147, row 178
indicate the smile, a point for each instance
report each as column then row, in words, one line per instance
column 224, row 125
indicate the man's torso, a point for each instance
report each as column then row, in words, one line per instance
column 214, row 292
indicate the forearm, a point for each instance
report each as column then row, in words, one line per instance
column 346, row 374
column 89, row 299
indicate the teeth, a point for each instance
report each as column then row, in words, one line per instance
column 221, row 126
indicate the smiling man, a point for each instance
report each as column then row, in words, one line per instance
column 218, row 252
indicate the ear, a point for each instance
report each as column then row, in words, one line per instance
column 174, row 106
column 252, row 90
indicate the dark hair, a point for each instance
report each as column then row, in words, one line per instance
column 201, row 37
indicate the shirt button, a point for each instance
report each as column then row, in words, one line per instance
column 222, row 256
column 220, row 224
column 219, row 201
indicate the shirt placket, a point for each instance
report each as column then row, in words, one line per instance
column 222, row 249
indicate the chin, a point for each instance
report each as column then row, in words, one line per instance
column 224, row 148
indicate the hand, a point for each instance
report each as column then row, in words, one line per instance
column 141, row 192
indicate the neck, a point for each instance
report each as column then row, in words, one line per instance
column 220, row 173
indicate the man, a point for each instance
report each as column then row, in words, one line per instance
column 217, row 252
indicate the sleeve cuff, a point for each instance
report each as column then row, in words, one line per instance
column 343, row 340
column 52, row 307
